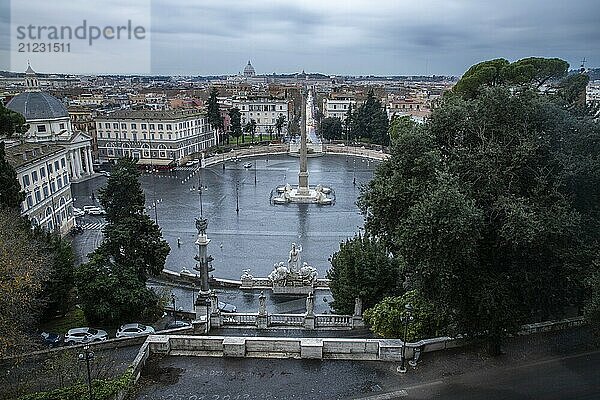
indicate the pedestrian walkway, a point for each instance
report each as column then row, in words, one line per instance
column 93, row 226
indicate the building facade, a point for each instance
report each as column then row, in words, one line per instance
column 337, row 107
column 43, row 172
column 49, row 122
column 153, row 137
column 265, row 111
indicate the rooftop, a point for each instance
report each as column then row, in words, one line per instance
column 152, row 115
column 29, row 153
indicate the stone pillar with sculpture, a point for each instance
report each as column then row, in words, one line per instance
column 357, row 318
column 262, row 319
column 203, row 300
column 309, row 317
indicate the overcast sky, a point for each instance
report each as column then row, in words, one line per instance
column 381, row 37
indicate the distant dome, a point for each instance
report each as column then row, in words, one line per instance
column 249, row 70
column 37, row 105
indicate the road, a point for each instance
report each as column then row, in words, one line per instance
column 186, row 378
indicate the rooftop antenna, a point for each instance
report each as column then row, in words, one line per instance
column 582, row 69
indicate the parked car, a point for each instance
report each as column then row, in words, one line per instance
column 248, row 165
column 85, row 335
column 50, row 339
column 78, row 212
column 131, row 330
column 94, row 210
column 106, row 173
column 226, row 307
column 177, row 324
column 75, row 230
column 86, row 209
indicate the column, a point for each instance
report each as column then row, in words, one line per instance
column 89, row 153
column 77, row 168
column 88, row 160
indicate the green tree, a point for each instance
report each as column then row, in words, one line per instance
column 485, row 73
column 495, row 209
column 361, row 268
column 214, row 114
column 400, row 126
column 385, row 318
column 11, row 123
column 279, row 124
column 250, row 128
column 112, row 293
column 536, row 70
column 370, row 121
column 57, row 291
column 349, row 123
column 11, row 195
column 22, row 273
column 532, row 71
column 331, row 128
column 131, row 237
column 112, row 285
column 236, row 125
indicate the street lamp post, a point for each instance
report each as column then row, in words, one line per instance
column 406, row 319
column 87, row 356
column 255, row 173
column 173, row 301
column 237, row 197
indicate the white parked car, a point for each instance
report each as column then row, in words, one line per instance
column 85, row 335
column 248, row 165
column 78, row 212
column 94, row 210
column 130, row 330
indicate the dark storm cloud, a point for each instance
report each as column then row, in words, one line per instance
column 360, row 36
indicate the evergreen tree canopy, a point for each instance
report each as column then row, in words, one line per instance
column 11, row 123
column 235, row 118
column 362, row 268
column 533, row 71
column 331, row 128
column 493, row 207
column 11, row 195
column 369, row 122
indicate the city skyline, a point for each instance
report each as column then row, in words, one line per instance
column 340, row 38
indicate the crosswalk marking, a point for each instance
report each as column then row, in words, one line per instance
column 184, row 168
column 93, row 226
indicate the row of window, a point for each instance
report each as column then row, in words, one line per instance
column 264, row 121
column 45, row 191
column 35, row 175
column 60, row 218
column 160, row 127
column 261, row 107
column 161, row 136
column 42, row 128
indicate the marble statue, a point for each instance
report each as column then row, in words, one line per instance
column 294, row 258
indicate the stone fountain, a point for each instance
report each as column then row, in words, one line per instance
column 303, row 193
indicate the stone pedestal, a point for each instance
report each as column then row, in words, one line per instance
column 311, row 348
column 309, row 322
column 262, row 321
column 202, row 308
column 234, row 347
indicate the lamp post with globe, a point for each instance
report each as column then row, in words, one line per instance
column 406, row 319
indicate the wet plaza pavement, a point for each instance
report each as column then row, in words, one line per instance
column 261, row 233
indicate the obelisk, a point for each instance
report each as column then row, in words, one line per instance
column 203, row 303
column 303, row 174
